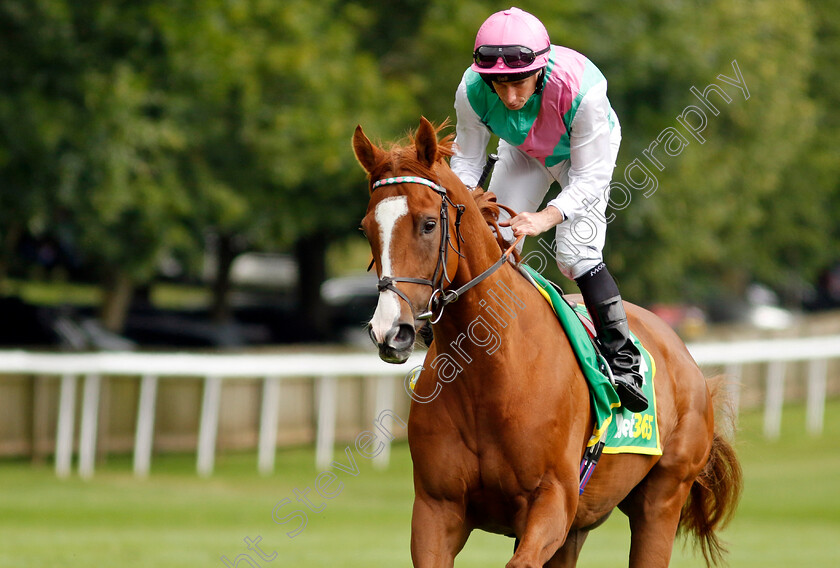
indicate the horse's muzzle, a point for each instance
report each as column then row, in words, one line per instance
column 398, row 344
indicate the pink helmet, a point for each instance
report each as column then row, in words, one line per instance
column 500, row 41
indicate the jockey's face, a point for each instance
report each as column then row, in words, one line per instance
column 514, row 94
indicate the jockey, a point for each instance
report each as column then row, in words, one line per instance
column 548, row 105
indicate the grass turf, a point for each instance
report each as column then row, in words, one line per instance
column 789, row 515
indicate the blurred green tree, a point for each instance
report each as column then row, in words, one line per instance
column 698, row 235
column 271, row 101
column 712, row 224
column 140, row 128
column 89, row 147
column 37, row 86
column 802, row 235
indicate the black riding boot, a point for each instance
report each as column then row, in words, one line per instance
column 603, row 301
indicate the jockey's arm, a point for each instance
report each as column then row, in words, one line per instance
column 471, row 139
column 591, row 156
column 533, row 224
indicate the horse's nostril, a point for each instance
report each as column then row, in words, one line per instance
column 406, row 334
column 371, row 335
column 401, row 337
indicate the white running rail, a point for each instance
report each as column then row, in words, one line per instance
column 325, row 370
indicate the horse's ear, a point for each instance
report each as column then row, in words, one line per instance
column 367, row 154
column 426, row 142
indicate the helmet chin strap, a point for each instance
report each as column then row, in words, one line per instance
column 540, row 82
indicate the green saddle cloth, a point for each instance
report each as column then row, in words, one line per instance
column 622, row 431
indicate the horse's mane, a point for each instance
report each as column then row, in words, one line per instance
column 490, row 210
column 401, row 156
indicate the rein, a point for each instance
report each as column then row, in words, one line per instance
column 440, row 295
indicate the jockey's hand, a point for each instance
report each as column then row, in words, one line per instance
column 532, row 224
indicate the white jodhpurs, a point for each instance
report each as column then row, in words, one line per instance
column 521, row 182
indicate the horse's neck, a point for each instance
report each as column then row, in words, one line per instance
column 487, row 309
column 477, row 245
column 494, row 300
column 500, row 314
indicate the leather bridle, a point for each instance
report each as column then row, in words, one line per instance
column 440, row 279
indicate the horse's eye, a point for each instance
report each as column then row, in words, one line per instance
column 429, row 226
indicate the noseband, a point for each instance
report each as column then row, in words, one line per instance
column 440, row 296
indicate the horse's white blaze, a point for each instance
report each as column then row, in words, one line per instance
column 387, row 213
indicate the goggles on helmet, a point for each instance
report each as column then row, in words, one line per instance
column 514, row 56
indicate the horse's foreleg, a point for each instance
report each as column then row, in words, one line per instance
column 547, row 523
column 438, row 532
column 567, row 555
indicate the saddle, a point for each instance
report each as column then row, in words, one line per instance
column 616, row 430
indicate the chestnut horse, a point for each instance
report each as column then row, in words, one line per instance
column 501, row 411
